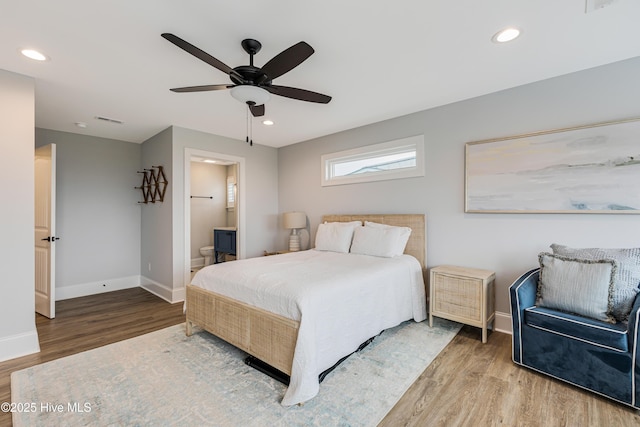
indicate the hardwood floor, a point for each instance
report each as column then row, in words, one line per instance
column 468, row 384
column 89, row 322
column 475, row 384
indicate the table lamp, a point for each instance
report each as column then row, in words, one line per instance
column 294, row 221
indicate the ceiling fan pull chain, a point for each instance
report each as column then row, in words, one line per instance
column 250, row 118
column 247, row 139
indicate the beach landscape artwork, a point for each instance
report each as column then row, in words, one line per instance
column 590, row 169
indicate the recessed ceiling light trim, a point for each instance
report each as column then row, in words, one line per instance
column 34, row 54
column 506, row 35
column 268, row 122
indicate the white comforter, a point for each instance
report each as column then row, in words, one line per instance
column 340, row 300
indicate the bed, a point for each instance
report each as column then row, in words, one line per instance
column 304, row 335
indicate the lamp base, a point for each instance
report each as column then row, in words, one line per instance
column 294, row 242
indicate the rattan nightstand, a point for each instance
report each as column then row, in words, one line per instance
column 463, row 295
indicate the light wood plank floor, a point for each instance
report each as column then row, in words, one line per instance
column 468, row 384
column 475, row 384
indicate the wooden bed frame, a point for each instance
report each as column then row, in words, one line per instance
column 270, row 337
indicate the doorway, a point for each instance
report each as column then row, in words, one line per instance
column 234, row 202
column 45, row 230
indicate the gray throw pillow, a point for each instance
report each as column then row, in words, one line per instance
column 626, row 280
column 578, row 286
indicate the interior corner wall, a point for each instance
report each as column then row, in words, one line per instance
column 97, row 214
column 18, row 334
column 156, row 259
column 260, row 188
column 506, row 243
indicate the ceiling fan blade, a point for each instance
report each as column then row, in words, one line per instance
column 287, row 60
column 203, row 88
column 300, row 94
column 201, row 54
column 257, row 110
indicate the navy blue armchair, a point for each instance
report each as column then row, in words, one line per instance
column 598, row 356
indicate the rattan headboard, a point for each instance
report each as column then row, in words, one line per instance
column 416, row 246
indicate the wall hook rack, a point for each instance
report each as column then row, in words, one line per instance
column 154, row 184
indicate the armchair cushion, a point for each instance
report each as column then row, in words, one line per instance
column 605, row 335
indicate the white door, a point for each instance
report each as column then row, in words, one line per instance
column 45, row 229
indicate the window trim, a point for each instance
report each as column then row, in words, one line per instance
column 385, row 148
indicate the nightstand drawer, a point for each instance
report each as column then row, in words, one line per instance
column 458, row 296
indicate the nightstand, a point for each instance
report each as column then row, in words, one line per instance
column 464, row 295
column 266, row 253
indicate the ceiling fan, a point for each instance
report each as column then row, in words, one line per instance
column 250, row 84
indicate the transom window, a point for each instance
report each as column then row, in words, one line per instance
column 402, row 158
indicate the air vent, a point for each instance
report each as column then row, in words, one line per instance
column 593, row 5
column 110, row 120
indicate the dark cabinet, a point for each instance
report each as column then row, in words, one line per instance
column 224, row 242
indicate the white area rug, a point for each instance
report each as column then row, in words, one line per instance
column 168, row 379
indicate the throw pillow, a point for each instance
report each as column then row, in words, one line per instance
column 626, row 280
column 579, row 286
column 385, row 242
column 335, row 236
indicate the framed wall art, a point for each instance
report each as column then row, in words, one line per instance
column 587, row 169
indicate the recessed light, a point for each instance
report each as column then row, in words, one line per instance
column 209, row 161
column 267, row 122
column 34, row 54
column 506, row 35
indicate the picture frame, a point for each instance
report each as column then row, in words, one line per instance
column 587, row 169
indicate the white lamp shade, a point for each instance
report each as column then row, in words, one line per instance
column 246, row 93
column 295, row 220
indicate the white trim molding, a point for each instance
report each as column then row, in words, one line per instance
column 92, row 288
column 503, row 323
column 168, row 294
column 19, row 345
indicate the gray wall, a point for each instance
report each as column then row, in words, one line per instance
column 18, row 335
column 97, row 214
column 505, row 243
column 156, row 242
column 163, row 225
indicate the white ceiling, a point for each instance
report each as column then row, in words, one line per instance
column 378, row 59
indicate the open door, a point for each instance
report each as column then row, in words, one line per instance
column 45, row 228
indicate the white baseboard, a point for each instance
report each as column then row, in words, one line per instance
column 197, row 262
column 503, row 323
column 84, row 289
column 19, row 345
column 158, row 289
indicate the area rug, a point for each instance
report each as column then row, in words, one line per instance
column 168, row 379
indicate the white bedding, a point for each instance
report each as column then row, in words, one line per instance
column 339, row 299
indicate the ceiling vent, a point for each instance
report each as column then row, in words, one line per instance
column 110, row 120
column 592, row 5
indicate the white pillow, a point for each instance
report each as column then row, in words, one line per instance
column 335, row 236
column 380, row 240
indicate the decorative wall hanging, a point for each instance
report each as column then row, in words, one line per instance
column 154, row 184
column 587, row 169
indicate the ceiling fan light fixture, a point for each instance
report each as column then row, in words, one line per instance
column 250, row 94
